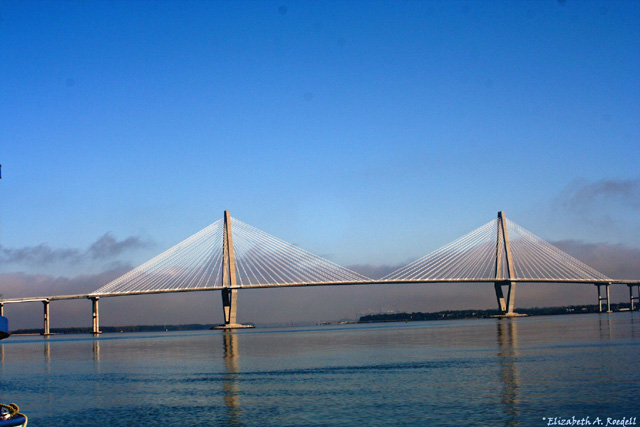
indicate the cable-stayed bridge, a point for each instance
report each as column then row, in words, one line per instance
column 230, row 255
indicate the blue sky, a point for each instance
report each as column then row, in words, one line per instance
column 367, row 132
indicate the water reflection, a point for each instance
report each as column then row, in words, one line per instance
column 604, row 322
column 96, row 350
column 230, row 378
column 634, row 325
column 47, row 354
column 508, row 345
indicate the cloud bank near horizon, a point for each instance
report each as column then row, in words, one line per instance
column 606, row 208
column 105, row 248
column 582, row 196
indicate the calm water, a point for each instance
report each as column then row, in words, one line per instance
column 502, row 372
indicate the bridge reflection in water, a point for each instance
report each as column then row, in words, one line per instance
column 230, row 378
column 507, row 358
column 47, row 351
column 96, row 350
column 230, row 381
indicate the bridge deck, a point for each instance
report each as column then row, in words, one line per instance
column 292, row 285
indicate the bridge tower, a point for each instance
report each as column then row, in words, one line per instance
column 229, row 282
column 503, row 253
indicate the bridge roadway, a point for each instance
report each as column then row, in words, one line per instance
column 633, row 300
column 294, row 285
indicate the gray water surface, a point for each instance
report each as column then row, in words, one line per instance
column 488, row 372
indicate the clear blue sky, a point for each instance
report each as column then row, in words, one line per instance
column 367, row 132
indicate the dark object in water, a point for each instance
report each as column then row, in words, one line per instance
column 10, row 417
column 4, row 329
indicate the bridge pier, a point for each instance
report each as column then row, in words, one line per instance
column 230, row 293
column 633, row 300
column 502, row 305
column 46, row 330
column 96, row 315
column 503, row 250
column 604, row 297
column 229, row 306
column 505, row 305
column 511, row 298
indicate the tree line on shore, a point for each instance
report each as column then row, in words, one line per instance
column 479, row 314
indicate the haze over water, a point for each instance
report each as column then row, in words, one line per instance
column 504, row 372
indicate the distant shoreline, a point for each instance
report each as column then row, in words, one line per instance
column 481, row 314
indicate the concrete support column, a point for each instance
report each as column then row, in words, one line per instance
column 502, row 305
column 229, row 298
column 511, row 297
column 505, row 305
column 46, row 317
column 599, row 299
column 96, row 315
column 634, row 300
column 602, row 298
